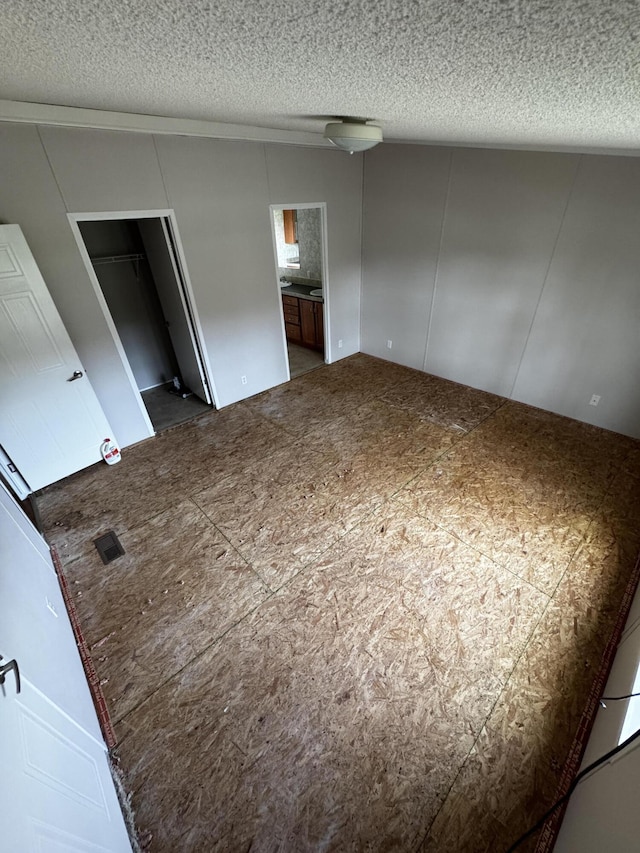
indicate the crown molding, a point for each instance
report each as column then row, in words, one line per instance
column 521, row 146
column 52, row 114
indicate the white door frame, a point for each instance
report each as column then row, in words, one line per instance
column 322, row 206
column 168, row 213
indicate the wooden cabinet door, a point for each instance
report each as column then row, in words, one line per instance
column 318, row 306
column 308, row 323
column 290, row 226
column 291, row 309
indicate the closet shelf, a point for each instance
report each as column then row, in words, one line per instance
column 117, row 259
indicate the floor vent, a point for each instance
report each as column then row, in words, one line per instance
column 108, row 547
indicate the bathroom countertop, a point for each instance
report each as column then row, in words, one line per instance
column 302, row 291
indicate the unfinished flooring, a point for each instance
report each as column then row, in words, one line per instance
column 360, row 611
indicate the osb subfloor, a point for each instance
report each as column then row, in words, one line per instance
column 167, row 410
column 302, row 359
column 361, row 611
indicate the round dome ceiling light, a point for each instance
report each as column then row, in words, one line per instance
column 353, row 134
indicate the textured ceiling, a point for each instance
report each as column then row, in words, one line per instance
column 553, row 73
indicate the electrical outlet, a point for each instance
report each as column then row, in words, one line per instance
column 340, row 344
column 389, row 344
column 594, row 400
column 243, row 379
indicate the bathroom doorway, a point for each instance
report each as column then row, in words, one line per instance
column 299, row 239
column 137, row 268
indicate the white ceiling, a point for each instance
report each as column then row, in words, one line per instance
column 524, row 73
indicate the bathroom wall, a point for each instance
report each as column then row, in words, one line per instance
column 310, row 243
column 308, row 249
column 285, row 251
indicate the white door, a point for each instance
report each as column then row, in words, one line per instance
column 34, row 626
column 56, row 789
column 55, row 783
column 51, row 423
column 166, row 275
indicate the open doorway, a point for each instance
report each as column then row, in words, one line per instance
column 300, row 253
column 140, row 275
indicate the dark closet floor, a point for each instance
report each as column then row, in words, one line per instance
column 167, row 410
column 361, row 611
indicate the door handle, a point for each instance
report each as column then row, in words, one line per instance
column 77, row 374
column 5, row 668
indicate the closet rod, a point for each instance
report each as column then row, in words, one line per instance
column 116, row 259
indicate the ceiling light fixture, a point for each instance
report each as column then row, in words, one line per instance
column 353, row 134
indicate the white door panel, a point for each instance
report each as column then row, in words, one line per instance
column 34, row 626
column 49, row 426
column 57, row 790
column 166, row 276
column 24, row 524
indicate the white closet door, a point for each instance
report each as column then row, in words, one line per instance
column 157, row 242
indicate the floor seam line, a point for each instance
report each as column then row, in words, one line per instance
column 193, row 660
column 478, row 550
column 235, row 547
column 486, row 719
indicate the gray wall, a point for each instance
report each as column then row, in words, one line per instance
column 31, row 198
column 516, row 272
column 511, row 271
column 221, row 193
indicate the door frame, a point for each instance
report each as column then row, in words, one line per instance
column 322, row 206
column 191, row 314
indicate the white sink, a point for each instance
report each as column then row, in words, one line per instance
column 316, row 292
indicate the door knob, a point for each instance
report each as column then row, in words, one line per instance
column 6, row 668
column 77, row 374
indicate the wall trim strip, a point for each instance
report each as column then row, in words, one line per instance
column 52, row 114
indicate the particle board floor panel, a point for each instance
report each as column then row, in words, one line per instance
column 360, row 611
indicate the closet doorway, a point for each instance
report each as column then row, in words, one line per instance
column 136, row 267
